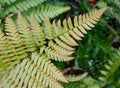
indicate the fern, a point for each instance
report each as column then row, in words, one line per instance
column 110, row 68
column 27, row 6
column 14, row 6
column 48, row 10
column 26, row 49
column 7, row 1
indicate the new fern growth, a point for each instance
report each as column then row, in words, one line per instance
column 26, row 49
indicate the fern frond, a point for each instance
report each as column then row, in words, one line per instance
column 16, row 47
column 64, row 35
column 27, row 74
column 47, row 10
column 45, row 64
column 52, row 54
column 17, row 43
column 11, row 49
column 28, row 6
column 26, row 49
column 20, row 5
column 85, row 22
column 110, row 68
column 59, row 49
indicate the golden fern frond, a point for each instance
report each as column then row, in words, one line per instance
column 37, row 71
column 42, row 62
column 59, row 49
column 27, row 75
column 67, row 35
column 26, row 49
column 11, row 49
column 16, row 46
column 13, row 44
column 53, row 54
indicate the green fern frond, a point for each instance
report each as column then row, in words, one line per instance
column 47, row 10
column 28, row 6
column 14, row 5
column 110, row 68
column 26, row 49
column 7, row 2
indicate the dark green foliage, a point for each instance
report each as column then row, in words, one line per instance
column 111, row 69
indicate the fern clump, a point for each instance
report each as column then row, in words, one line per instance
column 26, row 49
